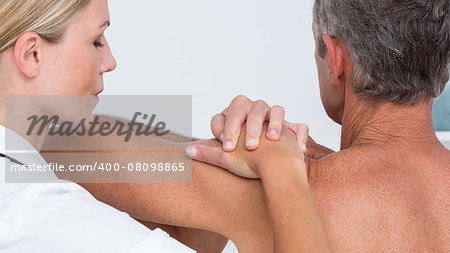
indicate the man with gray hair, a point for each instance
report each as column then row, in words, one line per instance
column 399, row 49
column 380, row 64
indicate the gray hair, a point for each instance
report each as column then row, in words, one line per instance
column 400, row 49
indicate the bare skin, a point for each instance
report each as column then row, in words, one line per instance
column 363, row 209
column 389, row 183
column 388, row 190
column 218, row 205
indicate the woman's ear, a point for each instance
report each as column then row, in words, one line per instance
column 335, row 63
column 27, row 54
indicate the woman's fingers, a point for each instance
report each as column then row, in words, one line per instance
column 255, row 121
column 227, row 125
column 236, row 116
column 211, row 155
column 302, row 133
column 216, row 156
column 276, row 118
column 218, row 126
column 302, row 136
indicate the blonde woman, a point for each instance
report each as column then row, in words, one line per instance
column 58, row 47
column 55, row 47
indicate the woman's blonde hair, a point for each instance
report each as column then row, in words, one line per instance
column 48, row 18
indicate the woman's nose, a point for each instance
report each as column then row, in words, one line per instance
column 108, row 61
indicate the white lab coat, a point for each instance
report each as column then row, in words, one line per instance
column 64, row 217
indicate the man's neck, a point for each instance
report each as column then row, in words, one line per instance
column 387, row 124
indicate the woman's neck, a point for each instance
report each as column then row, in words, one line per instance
column 18, row 123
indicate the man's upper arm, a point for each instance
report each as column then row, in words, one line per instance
column 216, row 200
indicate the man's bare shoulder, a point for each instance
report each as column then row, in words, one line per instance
column 366, row 199
column 363, row 166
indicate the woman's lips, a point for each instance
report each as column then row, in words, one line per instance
column 99, row 92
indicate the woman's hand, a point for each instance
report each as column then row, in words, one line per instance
column 281, row 167
column 226, row 126
column 247, row 163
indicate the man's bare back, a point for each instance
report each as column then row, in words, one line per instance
column 384, row 199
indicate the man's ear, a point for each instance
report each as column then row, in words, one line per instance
column 336, row 60
column 27, row 53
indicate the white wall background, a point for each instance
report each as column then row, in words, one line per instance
column 215, row 50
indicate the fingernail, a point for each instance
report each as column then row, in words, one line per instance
column 191, row 151
column 303, row 147
column 222, row 136
column 228, row 145
column 251, row 142
column 273, row 133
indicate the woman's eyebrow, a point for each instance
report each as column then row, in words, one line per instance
column 107, row 23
